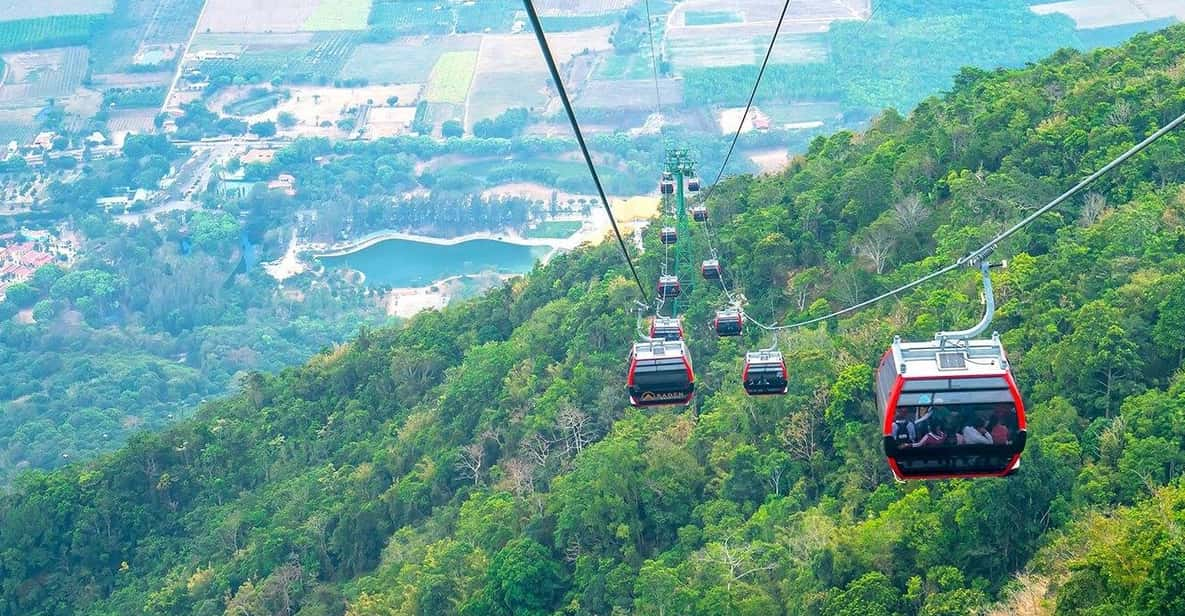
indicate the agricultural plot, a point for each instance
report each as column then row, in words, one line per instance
column 257, row 15
column 17, row 125
column 407, row 17
column 450, row 78
column 405, row 61
column 24, row 9
column 724, row 48
column 488, row 16
column 43, row 32
column 339, row 15
column 388, row 121
column 582, row 7
column 171, row 21
column 510, row 72
column 629, row 94
column 131, row 120
column 259, row 58
column 36, row 75
column 1089, row 14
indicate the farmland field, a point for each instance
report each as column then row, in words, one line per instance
column 711, row 18
column 17, row 125
column 720, row 47
column 136, row 120
column 488, row 15
column 573, row 23
column 1103, row 13
column 407, row 61
column 412, row 17
column 49, row 73
column 451, row 76
column 629, row 94
column 61, row 31
column 511, row 73
column 171, row 22
column 26, row 9
column 256, row 15
column 339, row 15
column 262, row 57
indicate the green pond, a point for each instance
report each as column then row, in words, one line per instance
column 407, row 263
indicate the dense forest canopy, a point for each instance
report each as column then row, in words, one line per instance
column 482, row 460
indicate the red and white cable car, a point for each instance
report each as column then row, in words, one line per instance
column 660, row 373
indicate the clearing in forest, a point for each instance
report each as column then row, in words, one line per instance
column 450, row 78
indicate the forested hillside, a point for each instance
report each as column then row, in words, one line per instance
column 482, row 460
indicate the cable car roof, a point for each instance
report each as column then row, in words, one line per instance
column 659, row 349
column 954, row 358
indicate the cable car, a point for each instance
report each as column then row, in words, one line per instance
column 710, row 269
column 668, row 286
column 660, row 373
column 765, row 374
column 699, row 213
column 668, row 235
column 950, row 408
column 728, row 322
column 667, row 328
column 667, row 185
column 693, row 184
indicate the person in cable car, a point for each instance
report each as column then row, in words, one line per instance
column 935, row 437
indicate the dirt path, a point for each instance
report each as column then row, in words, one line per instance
column 184, row 53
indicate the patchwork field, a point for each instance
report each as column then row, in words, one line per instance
column 257, row 15
column 55, row 31
column 339, row 15
column 408, row 60
column 131, row 120
column 138, row 26
column 299, row 56
column 17, row 125
column 37, row 75
column 450, row 78
column 408, row 17
column 511, row 72
column 569, row 7
column 629, row 94
column 1089, row 14
column 711, row 33
column 25, row 9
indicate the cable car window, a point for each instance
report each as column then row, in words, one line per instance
column 977, row 396
column 971, row 428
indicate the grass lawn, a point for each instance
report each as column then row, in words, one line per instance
column 450, row 79
column 339, row 15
